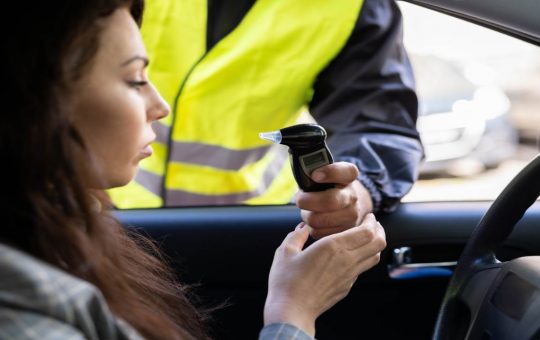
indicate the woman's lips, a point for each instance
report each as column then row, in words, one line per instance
column 147, row 151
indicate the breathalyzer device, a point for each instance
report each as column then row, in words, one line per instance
column 307, row 152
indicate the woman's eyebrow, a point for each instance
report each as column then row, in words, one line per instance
column 135, row 58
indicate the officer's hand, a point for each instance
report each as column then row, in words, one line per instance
column 337, row 209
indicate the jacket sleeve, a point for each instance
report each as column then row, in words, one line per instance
column 17, row 324
column 283, row 331
column 366, row 101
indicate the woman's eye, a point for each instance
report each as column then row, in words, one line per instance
column 137, row 84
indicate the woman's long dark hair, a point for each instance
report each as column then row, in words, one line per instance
column 45, row 205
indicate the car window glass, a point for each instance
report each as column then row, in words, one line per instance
column 478, row 119
column 477, row 91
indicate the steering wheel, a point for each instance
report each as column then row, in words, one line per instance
column 486, row 298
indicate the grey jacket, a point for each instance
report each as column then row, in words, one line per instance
column 39, row 301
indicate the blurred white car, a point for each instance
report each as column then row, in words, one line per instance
column 464, row 126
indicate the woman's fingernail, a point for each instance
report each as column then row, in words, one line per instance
column 319, row 176
column 300, row 225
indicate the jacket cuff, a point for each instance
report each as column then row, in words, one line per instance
column 283, row 331
column 369, row 184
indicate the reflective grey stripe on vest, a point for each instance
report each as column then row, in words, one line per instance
column 150, row 181
column 184, row 198
column 154, row 183
column 162, row 132
column 216, row 156
column 209, row 155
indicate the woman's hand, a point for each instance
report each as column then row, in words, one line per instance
column 337, row 209
column 305, row 283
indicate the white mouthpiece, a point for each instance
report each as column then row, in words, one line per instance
column 273, row 136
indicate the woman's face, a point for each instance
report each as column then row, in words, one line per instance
column 115, row 103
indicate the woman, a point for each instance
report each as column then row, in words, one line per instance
column 77, row 120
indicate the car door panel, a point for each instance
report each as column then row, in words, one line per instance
column 227, row 252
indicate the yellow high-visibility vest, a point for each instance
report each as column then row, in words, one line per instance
column 257, row 78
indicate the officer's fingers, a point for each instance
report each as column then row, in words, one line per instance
column 341, row 173
column 345, row 218
column 361, row 197
column 318, row 233
column 325, row 201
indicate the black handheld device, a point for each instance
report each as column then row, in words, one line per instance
column 307, row 152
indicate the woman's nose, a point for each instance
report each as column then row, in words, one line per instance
column 158, row 107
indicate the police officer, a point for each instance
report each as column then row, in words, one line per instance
column 231, row 69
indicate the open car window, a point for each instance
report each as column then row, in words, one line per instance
column 477, row 118
column 477, row 90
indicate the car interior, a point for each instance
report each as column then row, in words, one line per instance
column 451, row 269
